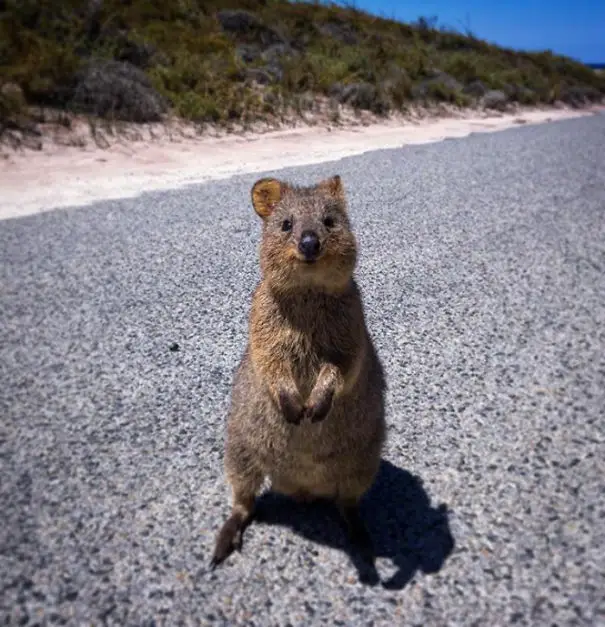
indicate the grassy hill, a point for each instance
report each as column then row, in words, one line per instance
column 222, row 61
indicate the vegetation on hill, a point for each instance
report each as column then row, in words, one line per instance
column 244, row 60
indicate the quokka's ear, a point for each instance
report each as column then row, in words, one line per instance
column 266, row 193
column 333, row 187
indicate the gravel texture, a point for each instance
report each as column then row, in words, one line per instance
column 482, row 263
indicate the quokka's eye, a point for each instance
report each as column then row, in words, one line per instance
column 329, row 222
column 286, row 226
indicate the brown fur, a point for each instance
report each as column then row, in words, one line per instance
column 307, row 400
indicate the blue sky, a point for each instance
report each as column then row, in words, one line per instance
column 576, row 29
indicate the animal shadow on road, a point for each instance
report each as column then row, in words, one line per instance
column 397, row 511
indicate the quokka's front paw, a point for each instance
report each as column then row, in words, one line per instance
column 291, row 407
column 319, row 409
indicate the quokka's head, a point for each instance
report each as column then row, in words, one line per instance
column 307, row 239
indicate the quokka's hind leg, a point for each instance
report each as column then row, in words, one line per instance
column 361, row 547
column 357, row 531
column 350, row 493
column 245, row 481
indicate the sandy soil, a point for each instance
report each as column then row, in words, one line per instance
column 58, row 175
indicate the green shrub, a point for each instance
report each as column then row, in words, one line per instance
column 193, row 56
column 441, row 92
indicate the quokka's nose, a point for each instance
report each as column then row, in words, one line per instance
column 309, row 245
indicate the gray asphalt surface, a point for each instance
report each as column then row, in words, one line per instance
column 482, row 265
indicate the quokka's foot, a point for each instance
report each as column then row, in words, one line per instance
column 228, row 539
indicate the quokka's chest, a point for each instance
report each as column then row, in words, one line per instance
column 305, row 352
column 307, row 346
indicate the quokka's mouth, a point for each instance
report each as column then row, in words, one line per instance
column 305, row 261
column 298, row 258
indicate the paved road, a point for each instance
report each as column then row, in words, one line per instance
column 483, row 269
